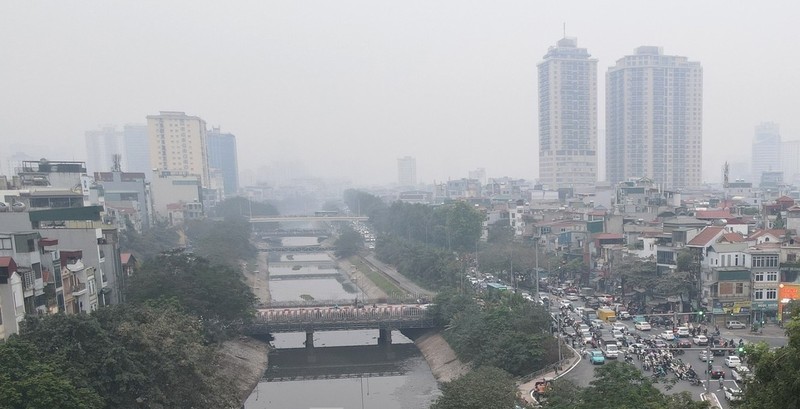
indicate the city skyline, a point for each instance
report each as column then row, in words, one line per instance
column 433, row 81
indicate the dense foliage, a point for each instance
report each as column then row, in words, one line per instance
column 455, row 226
column 244, row 207
column 617, row 385
column 215, row 293
column 154, row 240
column 429, row 266
column 507, row 332
column 776, row 380
column 223, row 242
column 128, row 356
column 483, row 388
column 30, row 379
column 348, row 243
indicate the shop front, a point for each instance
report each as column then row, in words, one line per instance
column 786, row 293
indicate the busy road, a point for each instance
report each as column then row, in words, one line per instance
column 673, row 354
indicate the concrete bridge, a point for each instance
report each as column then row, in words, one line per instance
column 278, row 219
column 297, row 249
column 296, row 233
column 384, row 317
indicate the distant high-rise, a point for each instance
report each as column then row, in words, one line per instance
column 654, row 119
column 101, row 146
column 790, row 161
column 222, row 156
column 136, row 150
column 178, row 143
column 407, row 171
column 567, row 116
column 766, row 151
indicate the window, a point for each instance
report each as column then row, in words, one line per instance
column 739, row 288
column 772, row 276
column 772, row 294
column 5, row 244
column 758, row 294
column 758, row 277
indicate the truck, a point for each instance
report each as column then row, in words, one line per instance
column 586, row 292
column 589, row 314
column 607, row 314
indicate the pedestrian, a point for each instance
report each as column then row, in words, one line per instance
column 721, row 382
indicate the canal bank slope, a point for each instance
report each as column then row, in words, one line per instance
column 244, row 361
column 441, row 358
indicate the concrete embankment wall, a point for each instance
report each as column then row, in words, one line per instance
column 443, row 361
column 244, row 361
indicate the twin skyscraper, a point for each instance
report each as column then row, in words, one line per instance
column 654, row 118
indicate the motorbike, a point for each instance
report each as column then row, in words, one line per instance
column 695, row 381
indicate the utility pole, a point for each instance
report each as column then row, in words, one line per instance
column 536, row 265
column 708, row 368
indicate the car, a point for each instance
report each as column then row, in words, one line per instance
column 619, row 326
column 705, row 356
column 701, row 340
column 624, row 315
column 583, row 327
column 741, row 373
column 682, row 332
column 597, row 323
column 733, row 394
column 643, row 326
column 572, row 297
column 735, row 325
column 617, row 334
column 587, row 337
column 667, row 336
column 732, row 361
column 570, row 332
column 659, row 343
column 717, row 372
column 611, row 351
column 684, row 343
column 596, row 357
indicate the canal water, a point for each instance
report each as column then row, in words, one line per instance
column 409, row 383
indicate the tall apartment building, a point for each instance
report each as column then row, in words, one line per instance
column 135, row 150
column 654, row 119
column 766, row 152
column 790, row 161
column 407, row 171
column 222, row 155
column 101, row 146
column 567, row 116
column 178, row 143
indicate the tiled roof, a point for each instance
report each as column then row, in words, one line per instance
column 707, row 236
column 5, row 261
column 125, row 257
column 732, row 237
column 777, row 233
column 713, row 214
column 608, row 236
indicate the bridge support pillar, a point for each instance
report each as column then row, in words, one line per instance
column 385, row 337
column 311, row 355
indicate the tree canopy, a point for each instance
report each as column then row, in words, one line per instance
column 483, row 388
column 155, row 239
column 132, row 356
column 215, row 293
column 617, row 385
column 348, row 243
column 776, row 379
column 243, row 207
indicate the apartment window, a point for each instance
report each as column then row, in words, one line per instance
column 739, row 288
column 758, row 277
column 758, row 294
column 772, row 276
column 772, row 294
column 5, row 244
column 736, row 260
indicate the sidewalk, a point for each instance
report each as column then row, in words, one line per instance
column 526, row 388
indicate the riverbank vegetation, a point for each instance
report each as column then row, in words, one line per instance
column 158, row 350
column 483, row 388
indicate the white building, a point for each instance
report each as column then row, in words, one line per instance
column 567, row 116
column 654, row 119
column 766, row 150
column 407, row 171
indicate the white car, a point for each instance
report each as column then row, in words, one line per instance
column 700, row 340
column 643, row 326
column 735, row 325
column 683, row 332
column 667, row 336
column 732, row 361
column 572, row 297
column 611, row 351
column 617, row 334
column 619, row 326
column 741, row 373
column 733, row 394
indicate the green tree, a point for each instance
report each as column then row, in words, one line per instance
column 244, row 207
column 225, row 242
column 776, row 372
column 482, row 388
column 348, row 243
column 31, row 380
column 215, row 293
column 154, row 240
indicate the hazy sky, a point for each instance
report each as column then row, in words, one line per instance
column 349, row 86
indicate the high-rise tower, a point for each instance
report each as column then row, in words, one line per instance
column 222, row 156
column 178, row 143
column 654, row 119
column 407, row 171
column 766, row 153
column 567, row 116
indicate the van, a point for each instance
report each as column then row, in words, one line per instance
column 735, row 325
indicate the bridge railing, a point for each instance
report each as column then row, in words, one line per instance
column 329, row 314
column 367, row 303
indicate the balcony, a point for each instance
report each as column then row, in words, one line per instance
column 78, row 289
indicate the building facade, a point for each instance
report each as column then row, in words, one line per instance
column 178, row 143
column 222, row 155
column 136, row 150
column 407, row 171
column 567, row 116
column 654, row 119
column 101, row 146
column 766, row 152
